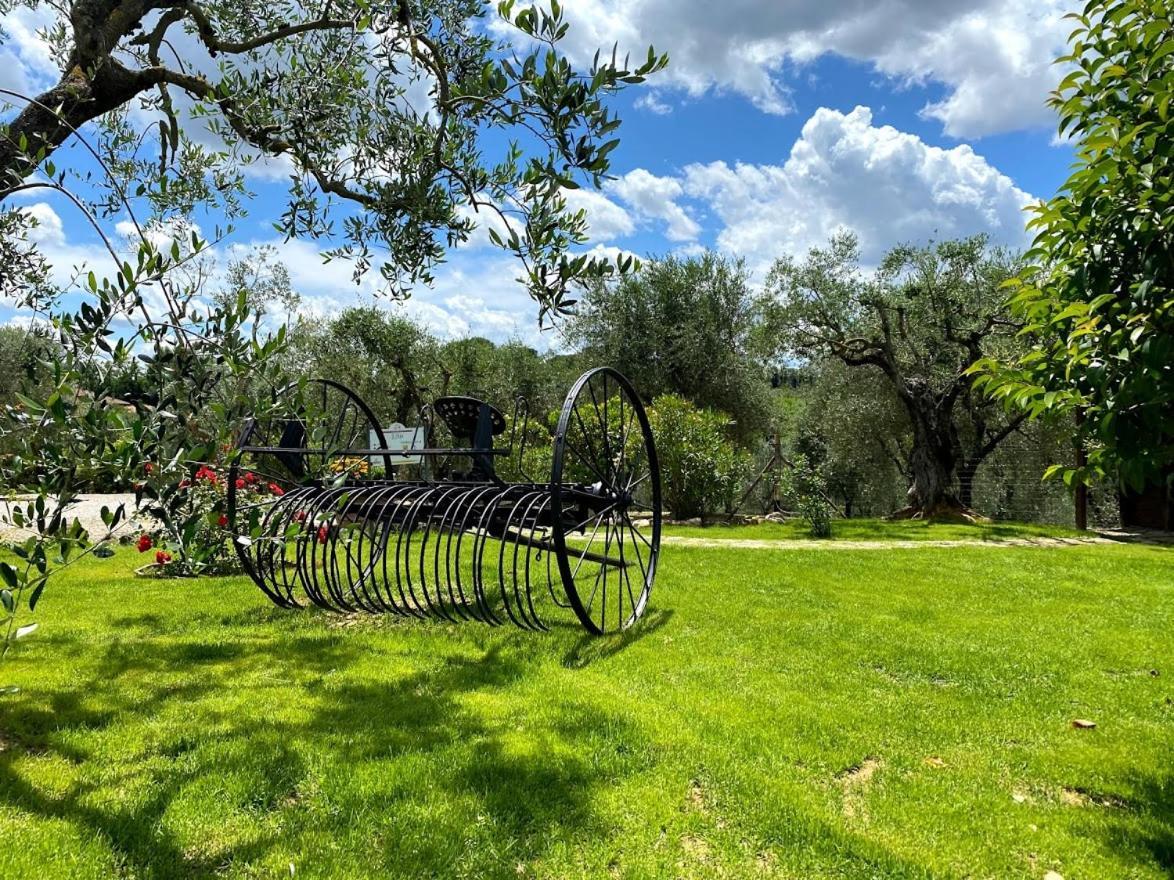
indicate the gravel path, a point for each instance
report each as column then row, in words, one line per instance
column 811, row 544
column 88, row 508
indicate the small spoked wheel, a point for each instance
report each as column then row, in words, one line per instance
column 605, row 493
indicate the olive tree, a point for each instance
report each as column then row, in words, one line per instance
column 920, row 321
column 681, row 326
column 380, row 112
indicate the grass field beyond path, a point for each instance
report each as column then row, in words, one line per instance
column 795, row 713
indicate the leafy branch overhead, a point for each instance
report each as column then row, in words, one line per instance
column 380, row 112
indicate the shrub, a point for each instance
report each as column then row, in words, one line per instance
column 806, row 483
column 701, row 469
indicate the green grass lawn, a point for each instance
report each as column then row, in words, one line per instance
column 778, row 713
column 881, row 530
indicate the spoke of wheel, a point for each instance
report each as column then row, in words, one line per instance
column 627, row 579
column 591, row 518
column 590, row 541
column 639, row 534
column 599, row 418
column 636, row 547
column 575, row 449
column 586, row 437
column 633, row 484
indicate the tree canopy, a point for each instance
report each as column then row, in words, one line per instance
column 680, row 326
column 924, row 317
column 380, row 112
column 1098, row 297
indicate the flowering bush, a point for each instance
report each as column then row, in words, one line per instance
column 194, row 538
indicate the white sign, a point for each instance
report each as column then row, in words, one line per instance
column 398, row 438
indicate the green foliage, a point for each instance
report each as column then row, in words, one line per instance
column 807, row 486
column 680, row 326
column 701, row 470
column 205, row 366
column 925, row 316
column 381, row 111
column 1098, row 299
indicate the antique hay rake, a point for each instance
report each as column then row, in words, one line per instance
column 339, row 527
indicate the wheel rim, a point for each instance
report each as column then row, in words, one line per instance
column 606, row 502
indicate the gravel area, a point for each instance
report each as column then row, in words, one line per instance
column 88, row 508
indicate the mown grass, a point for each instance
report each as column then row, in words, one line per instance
column 880, row 530
column 778, row 713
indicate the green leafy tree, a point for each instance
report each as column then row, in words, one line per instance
column 680, row 326
column 380, row 110
column 920, row 322
column 701, row 469
column 1098, row 296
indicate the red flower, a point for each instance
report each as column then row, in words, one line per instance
column 206, row 473
column 323, row 533
column 162, row 557
column 300, row 516
column 145, row 543
column 149, row 468
column 223, row 521
column 250, row 477
column 276, row 490
column 240, row 484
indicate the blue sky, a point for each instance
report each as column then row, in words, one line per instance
column 776, row 124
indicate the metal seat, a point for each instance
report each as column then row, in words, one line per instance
column 461, row 415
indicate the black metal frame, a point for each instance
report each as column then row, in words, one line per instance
column 473, row 547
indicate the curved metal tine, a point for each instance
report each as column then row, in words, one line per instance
column 423, row 504
column 308, row 567
column 308, row 495
column 480, row 536
column 413, row 606
column 525, row 534
column 392, row 514
column 536, row 552
column 477, row 608
column 266, row 548
column 445, row 529
column 506, row 538
column 551, row 580
column 383, row 507
column 436, row 515
column 378, row 540
column 352, row 507
column 330, row 553
column 531, row 519
column 271, row 552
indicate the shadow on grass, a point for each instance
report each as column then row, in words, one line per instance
column 591, row 648
column 422, row 813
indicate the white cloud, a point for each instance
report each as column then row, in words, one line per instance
column 844, row 172
column 654, row 198
column 49, row 231
column 606, row 219
column 653, row 104
column 26, row 61
column 993, row 56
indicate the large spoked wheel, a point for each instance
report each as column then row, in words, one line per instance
column 605, row 494
column 281, row 477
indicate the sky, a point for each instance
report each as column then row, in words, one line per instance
column 777, row 123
